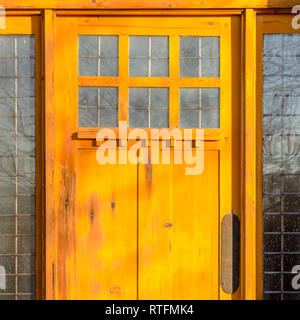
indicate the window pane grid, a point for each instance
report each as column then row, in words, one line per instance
column 199, row 57
column 98, row 56
column 145, row 60
column 17, row 165
column 145, row 53
column 101, row 104
column 281, row 179
column 149, row 107
column 199, row 108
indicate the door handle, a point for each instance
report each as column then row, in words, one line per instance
column 230, row 253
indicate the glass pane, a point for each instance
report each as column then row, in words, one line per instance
column 97, row 106
column 88, row 46
column 7, row 46
column 139, row 67
column 139, row 97
column 210, row 119
column 98, row 56
column 199, row 108
column 109, row 46
column 149, row 107
column 149, row 56
column 138, row 118
column 159, row 68
column 281, row 161
column 17, row 158
column 189, row 68
column 160, row 47
column 159, row 118
column 199, row 57
column 159, row 97
column 88, row 67
column 108, row 67
column 210, row 68
column 189, row 118
column 139, row 47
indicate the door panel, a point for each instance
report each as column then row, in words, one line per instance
column 106, row 230
column 178, row 231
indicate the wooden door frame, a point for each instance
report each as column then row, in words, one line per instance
column 251, row 124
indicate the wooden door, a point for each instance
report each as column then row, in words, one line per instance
column 135, row 230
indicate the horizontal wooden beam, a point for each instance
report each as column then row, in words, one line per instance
column 142, row 4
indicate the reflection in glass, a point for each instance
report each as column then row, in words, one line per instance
column 200, row 57
column 97, row 107
column 281, row 163
column 17, row 163
column 148, row 107
column 149, row 56
column 98, row 56
column 199, row 108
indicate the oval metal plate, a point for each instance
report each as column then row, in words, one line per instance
column 230, row 253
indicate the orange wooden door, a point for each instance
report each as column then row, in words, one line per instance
column 142, row 231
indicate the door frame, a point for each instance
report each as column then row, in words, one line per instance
column 251, row 229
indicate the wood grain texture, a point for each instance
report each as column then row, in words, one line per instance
column 178, row 231
column 106, row 231
column 141, row 4
column 138, row 232
column 251, row 157
column 62, row 198
column 50, row 138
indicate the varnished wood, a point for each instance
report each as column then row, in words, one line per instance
column 50, row 149
column 251, row 214
column 141, row 4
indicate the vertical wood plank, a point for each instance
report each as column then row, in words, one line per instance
column 251, row 209
column 40, row 159
column 178, row 231
column 174, row 81
column 123, row 76
column 50, row 137
column 226, row 127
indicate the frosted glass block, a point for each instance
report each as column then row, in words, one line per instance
column 139, row 47
column 138, row 118
column 108, row 67
column 159, row 118
column 159, row 97
column 210, row 119
column 26, row 67
column 26, row 46
column 189, row 118
column 210, row 68
column 109, row 46
column 88, row 46
column 87, row 97
column 26, row 225
column 7, row 46
column 139, row 67
column 159, row 68
column 88, row 67
column 210, row 97
column 109, row 97
column 189, row 97
column 26, row 205
column 160, row 47
column 189, row 68
column 138, row 97
column 109, row 117
column 189, row 47
column 88, row 118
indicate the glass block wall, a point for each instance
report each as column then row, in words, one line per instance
column 17, row 167
column 281, row 164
